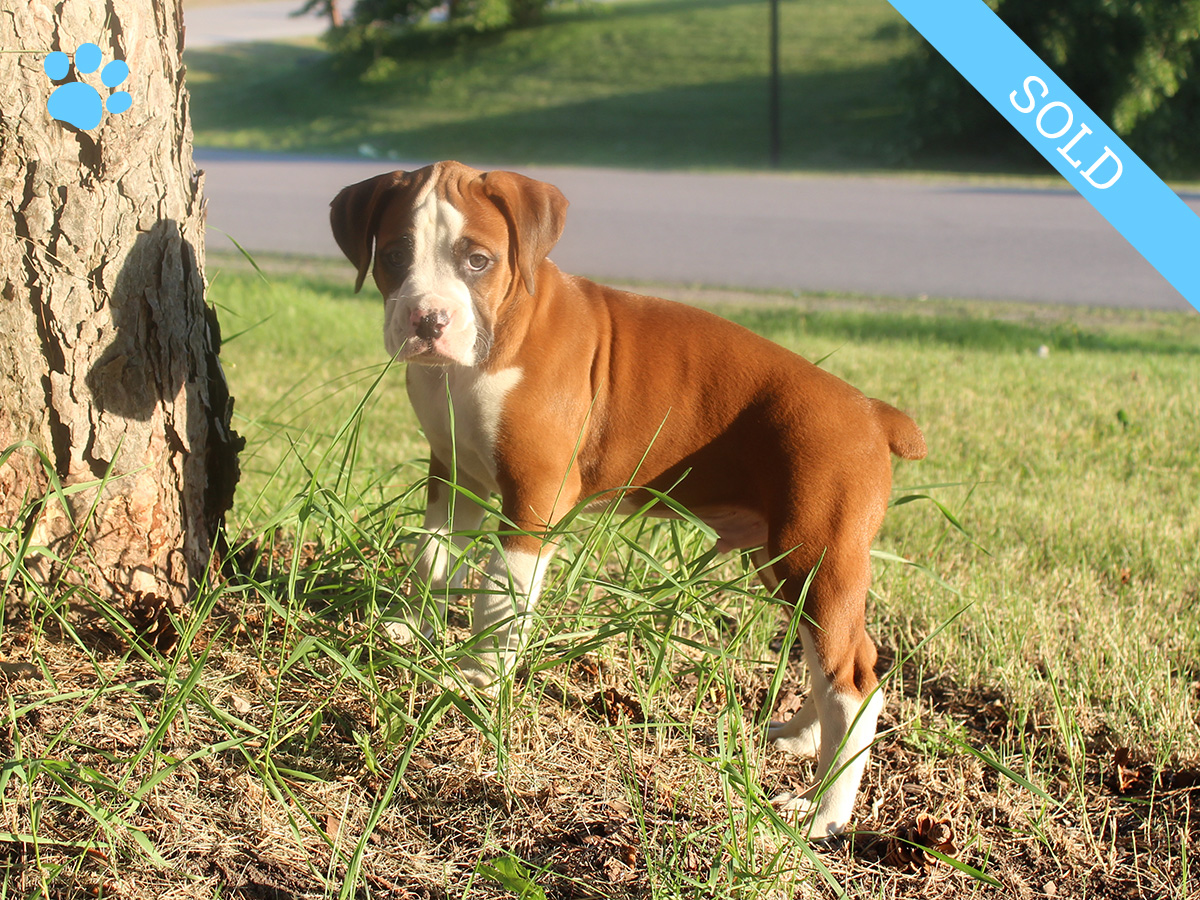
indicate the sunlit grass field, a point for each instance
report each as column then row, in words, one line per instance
column 1034, row 604
column 1065, row 442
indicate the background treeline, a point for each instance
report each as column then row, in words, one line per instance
column 1134, row 62
column 377, row 28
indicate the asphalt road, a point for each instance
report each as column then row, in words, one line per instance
column 869, row 235
column 231, row 23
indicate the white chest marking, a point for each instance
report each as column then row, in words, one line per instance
column 474, row 402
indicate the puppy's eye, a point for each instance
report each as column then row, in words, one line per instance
column 399, row 254
column 477, row 262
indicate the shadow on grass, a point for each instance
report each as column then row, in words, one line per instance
column 290, row 99
column 974, row 332
column 982, row 325
column 591, row 8
column 834, row 121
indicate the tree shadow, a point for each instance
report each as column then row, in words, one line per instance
column 159, row 392
column 840, row 121
column 967, row 331
column 851, row 119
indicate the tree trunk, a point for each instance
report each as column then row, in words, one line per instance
column 108, row 354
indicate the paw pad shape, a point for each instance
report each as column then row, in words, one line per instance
column 80, row 104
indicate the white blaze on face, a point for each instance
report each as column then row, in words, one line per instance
column 433, row 290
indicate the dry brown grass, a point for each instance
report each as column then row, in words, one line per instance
column 270, row 779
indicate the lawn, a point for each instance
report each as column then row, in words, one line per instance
column 1042, row 647
column 656, row 83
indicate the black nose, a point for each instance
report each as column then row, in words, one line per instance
column 431, row 325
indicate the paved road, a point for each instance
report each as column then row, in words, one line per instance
column 871, row 235
column 883, row 235
column 229, row 23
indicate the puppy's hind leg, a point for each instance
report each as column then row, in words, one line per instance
column 801, row 734
column 841, row 661
column 848, row 720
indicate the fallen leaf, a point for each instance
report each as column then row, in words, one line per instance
column 618, row 872
column 622, row 808
column 789, row 704
column 587, row 670
column 19, row 671
column 1127, row 776
column 333, row 824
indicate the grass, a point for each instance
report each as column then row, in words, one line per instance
column 1043, row 702
column 678, row 83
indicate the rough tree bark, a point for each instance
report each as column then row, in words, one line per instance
column 108, row 353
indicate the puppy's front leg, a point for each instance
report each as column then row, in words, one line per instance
column 504, row 605
column 449, row 520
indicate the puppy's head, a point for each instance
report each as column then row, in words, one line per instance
column 451, row 246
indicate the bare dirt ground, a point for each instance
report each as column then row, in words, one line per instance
column 129, row 778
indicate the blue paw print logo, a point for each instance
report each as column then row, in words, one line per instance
column 80, row 104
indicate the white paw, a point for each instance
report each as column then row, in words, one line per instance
column 478, row 677
column 798, row 742
column 792, row 806
column 404, row 625
column 815, row 820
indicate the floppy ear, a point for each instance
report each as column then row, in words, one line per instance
column 536, row 213
column 355, row 213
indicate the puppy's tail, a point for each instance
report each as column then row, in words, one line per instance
column 903, row 436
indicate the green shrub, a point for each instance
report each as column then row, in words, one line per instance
column 1130, row 61
column 378, row 28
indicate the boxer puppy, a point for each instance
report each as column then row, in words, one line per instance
column 561, row 390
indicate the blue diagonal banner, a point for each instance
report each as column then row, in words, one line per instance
column 1070, row 136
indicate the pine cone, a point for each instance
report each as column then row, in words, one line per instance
column 149, row 614
column 915, row 838
column 615, row 706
